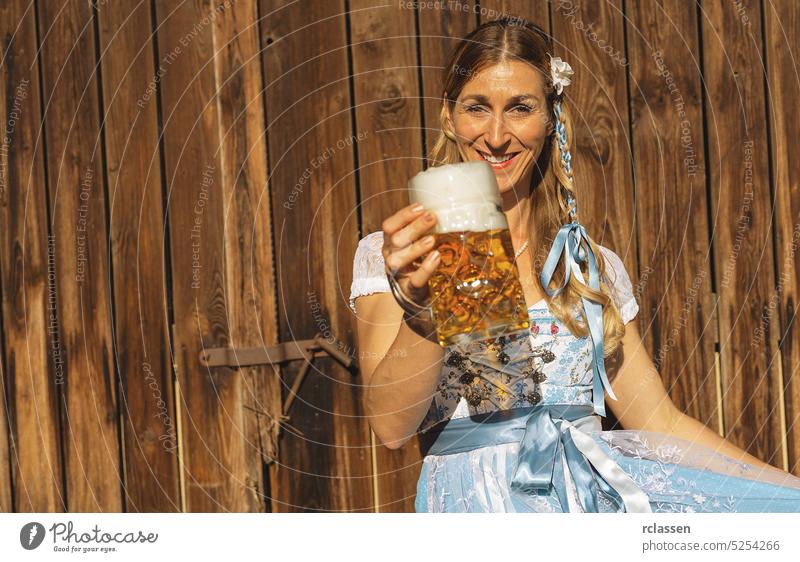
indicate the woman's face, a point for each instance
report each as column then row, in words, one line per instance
column 501, row 116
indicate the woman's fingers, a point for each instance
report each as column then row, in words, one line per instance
column 404, row 241
column 418, row 279
column 413, row 230
column 401, row 218
column 402, row 234
column 399, row 258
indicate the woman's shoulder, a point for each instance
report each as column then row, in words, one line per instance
column 369, row 275
column 618, row 280
column 369, row 250
column 615, row 267
column 373, row 240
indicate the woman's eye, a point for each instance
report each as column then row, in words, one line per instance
column 520, row 108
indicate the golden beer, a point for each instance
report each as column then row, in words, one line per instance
column 475, row 292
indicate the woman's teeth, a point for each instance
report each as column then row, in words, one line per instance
column 497, row 160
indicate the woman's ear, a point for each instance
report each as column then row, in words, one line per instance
column 450, row 129
column 550, row 122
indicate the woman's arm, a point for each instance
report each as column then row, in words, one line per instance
column 689, row 428
column 400, row 369
column 643, row 403
column 400, row 358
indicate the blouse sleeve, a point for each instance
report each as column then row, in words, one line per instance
column 621, row 288
column 369, row 272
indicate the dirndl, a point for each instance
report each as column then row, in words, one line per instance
column 557, row 458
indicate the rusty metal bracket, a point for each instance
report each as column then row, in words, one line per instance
column 307, row 350
column 269, row 355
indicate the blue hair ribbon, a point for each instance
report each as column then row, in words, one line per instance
column 568, row 242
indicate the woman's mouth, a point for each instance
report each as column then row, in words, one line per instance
column 498, row 162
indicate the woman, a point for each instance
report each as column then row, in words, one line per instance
column 514, row 423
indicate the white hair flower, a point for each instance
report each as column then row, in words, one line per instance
column 560, row 71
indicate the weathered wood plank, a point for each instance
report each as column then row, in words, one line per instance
column 782, row 25
column 675, row 289
column 6, row 471
column 738, row 168
column 136, row 223
column 311, row 154
column 217, row 474
column 32, row 364
column 249, row 262
column 75, row 170
column 534, row 11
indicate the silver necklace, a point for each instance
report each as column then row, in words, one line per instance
column 519, row 252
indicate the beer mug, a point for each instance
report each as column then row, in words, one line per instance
column 475, row 292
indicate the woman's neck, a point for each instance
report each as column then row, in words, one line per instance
column 517, row 211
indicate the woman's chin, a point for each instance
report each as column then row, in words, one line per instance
column 505, row 188
column 505, row 181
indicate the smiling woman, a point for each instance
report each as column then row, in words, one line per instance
column 513, row 423
column 502, row 104
column 514, row 121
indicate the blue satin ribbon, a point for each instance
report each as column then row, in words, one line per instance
column 548, row 439
column 568, row 243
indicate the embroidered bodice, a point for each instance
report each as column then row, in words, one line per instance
column 548, row 364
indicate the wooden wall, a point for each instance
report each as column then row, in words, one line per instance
column 184, row 176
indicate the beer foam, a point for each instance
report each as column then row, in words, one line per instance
column 463, row 196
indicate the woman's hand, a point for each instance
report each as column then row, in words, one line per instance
column 406, row 237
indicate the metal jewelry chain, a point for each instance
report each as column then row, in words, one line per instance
column 519, row 252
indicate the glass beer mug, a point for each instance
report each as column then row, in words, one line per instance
column 475, row 292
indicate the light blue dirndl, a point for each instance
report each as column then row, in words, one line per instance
column 554, row 447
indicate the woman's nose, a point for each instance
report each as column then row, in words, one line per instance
column 498, row 133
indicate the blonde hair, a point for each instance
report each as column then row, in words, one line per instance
column 551, row 187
